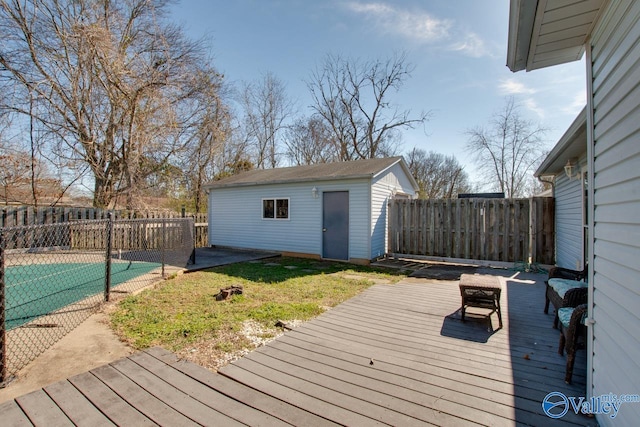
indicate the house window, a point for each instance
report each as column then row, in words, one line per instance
column 275, row 208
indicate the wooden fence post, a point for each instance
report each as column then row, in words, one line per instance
column 506, row 230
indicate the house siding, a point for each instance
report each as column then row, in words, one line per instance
column 383, row 187
column 569, row 223
column 235, row 217
column 616, row 296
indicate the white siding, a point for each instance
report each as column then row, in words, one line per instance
column 569, row 223
column 383, row 187
column 616, row 102
column 235, row 217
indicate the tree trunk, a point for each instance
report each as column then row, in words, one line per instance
column 102, row 194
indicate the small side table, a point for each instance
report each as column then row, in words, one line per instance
column 481, row 291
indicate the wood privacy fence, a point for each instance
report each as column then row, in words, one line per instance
column 131, row 235
column 18, row 216
column 510, row 230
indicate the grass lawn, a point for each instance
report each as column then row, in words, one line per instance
column 183, row 316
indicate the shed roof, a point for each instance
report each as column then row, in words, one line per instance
column 549, row 32
column 368, row 168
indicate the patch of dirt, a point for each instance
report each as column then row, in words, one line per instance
column 443, row 271
column 375, row 280
column 236, row 344
column 88, row 346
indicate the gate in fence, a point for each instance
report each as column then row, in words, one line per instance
column 52, row 277
column 509, row 230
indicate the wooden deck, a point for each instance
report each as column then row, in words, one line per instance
column 395, row 354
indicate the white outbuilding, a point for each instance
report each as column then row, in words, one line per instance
column 332, row 211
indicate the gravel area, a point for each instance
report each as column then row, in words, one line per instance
column 214, row 354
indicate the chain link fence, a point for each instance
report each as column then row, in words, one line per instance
column 52, row 277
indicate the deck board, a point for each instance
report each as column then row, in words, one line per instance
column 12, row 415
column 429, row 368
column 118, row 410
column 41, row 410
column 409, row 384
column 156, row 410
column 206, row 395
column 282, row 410
column 541, row 352
column 296, row 393
column 342, row 393
column 399, row 400
column 79, row 410
column 167, row 393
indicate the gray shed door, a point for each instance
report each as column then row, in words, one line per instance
column 335, row 225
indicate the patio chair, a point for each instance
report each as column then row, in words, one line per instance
column 572, row 328
column 565, row 273
column 560, row 286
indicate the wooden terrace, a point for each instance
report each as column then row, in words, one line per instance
column 396, row 354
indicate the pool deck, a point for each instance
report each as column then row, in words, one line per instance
column 215, row 257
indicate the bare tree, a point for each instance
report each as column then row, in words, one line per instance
column 24, row 179
column 508, row 150
column 267, row 109
column 108, row 84
column 309, row 141
column 438, row 176
column 14, row 174
column 354, row 100
column 213, row 130
column 234, row 154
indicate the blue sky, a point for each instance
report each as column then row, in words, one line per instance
column 458, row 48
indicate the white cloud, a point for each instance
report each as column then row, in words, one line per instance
column 577, row 104
column 414, row 25
column 531, row 105
column 471, row 45
column 513, row 87
column 421, row 27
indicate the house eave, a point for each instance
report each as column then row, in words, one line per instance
column 572, row 145
column 543, row 33
column 521, row 18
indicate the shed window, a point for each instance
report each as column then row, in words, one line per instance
column 275, row 208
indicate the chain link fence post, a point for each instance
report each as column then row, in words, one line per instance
column 195, row 243
column 107, row 268
column 163, row 243
column 3, row 326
